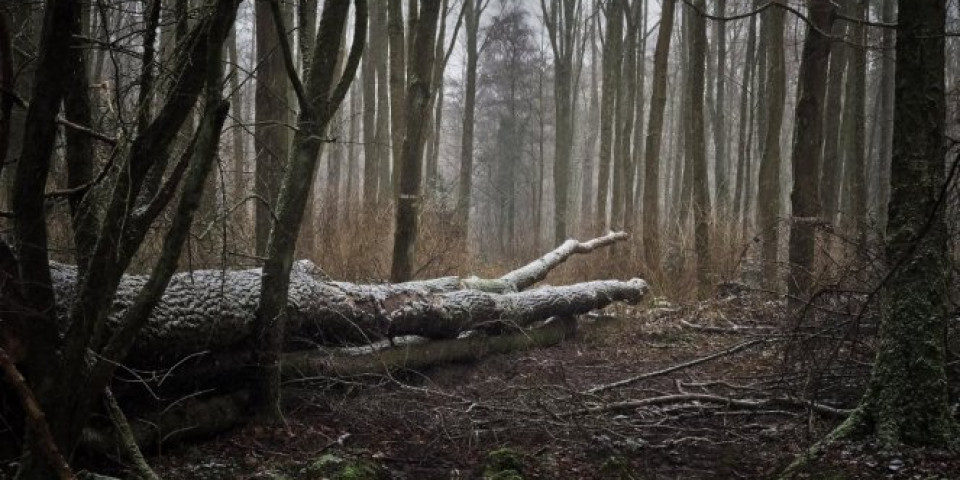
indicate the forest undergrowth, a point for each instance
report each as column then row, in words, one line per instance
column 734, row 386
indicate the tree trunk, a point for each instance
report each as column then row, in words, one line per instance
column 319, row 100
column 907, row 398
column 744, row 143
column 854, row 201
column 832, row 161
column 635, row 190
column 471, row 27
column 887, row 72
column 368, row 76
column 721, row 167
column 658, row 102
column 627, row 85
column 272, row 123
column 608, row 103
column 696, row 149
column 807, row 149
column 419, row 89
column 398, row 82
column 768, row 209
column 214, row 310
column 237, row 151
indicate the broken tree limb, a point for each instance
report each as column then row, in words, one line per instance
column 537, row 270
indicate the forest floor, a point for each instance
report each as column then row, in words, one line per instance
column 529, row 414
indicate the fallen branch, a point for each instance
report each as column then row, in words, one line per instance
column 707, row 398
column 538, row 269
column 659, row 373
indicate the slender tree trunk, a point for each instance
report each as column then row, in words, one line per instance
column 471, row 29
column 623, row 178
column 768, row 210
column 855, row 118
column 382, row 137
column 832, row 163
column 696, row 149
column 398, row 81
column 658, row 102
column 807, row 149
column 322, row 96
column 587, row 217
column 721, row 166
column 353, row 170
column 372, row 192
column 744, row 147
column 272, row 129
column 608, row 103
column 419, row 85
column 237, row 133
column 887, row 75
column 635, row 190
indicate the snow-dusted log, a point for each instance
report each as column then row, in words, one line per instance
column 213, row 310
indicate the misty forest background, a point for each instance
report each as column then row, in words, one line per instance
column 187, row 187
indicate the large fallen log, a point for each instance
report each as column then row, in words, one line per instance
column 213, row 310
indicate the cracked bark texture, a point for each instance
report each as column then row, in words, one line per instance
column 214, row 310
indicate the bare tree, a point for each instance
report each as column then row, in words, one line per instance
column 473, row 10
column 612, row 45
column 807, row 147
column 658, row 102
column 319, row 99
column 696, row 147
column 563, row 22
column 273, row 119
column 417, row 107
column 768, row 209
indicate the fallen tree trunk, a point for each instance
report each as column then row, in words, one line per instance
column 213, row 310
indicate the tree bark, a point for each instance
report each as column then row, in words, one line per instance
column 419, row 88
column 319, row 100
column 608, row 104
column 658, row 102
column 907, row 399
column 473, row 11
column 398, row 82
column 768, row 209
column 273, row 120
column 854, row 202
column 368, row 77
column 627, row 86
column 696, row 149
column 807, row 149
column 744, row 144
column 721, row 166
column 832, row 161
